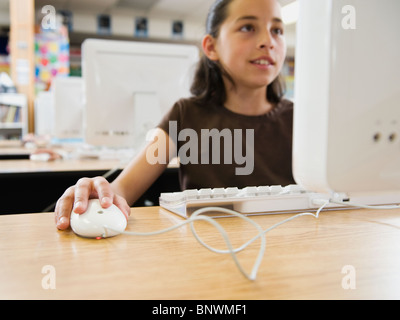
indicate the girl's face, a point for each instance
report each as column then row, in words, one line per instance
column 250, row 45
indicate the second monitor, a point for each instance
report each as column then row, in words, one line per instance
column 130, row 85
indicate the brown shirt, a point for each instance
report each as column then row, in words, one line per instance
column 220, row 148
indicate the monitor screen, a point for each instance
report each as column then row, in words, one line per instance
column 347, row 109
column 129, row 87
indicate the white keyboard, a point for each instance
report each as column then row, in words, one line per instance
column 266, row 200
column 103, row 153
column 249, row 200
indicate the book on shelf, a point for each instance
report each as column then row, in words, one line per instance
column 10, row 114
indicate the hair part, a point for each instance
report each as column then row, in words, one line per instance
column 208, row 84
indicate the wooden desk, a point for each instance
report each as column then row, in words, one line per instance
column 32, row 186
column 14, row 153
column 28, row 166
column 304, row 259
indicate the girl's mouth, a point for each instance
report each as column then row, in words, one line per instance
column 263, row 62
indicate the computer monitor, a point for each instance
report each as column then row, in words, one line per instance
column 130, row 86
column 347, row 96
column 44, row 113
column 68, row 103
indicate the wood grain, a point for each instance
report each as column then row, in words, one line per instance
column 304, row 259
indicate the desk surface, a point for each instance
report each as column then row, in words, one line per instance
column 62, row 165
column 28, row 166
column 304, row 259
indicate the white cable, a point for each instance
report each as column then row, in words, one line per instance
column 196, row 216
column 315, row 215
column 230, row 250
column 362, row 206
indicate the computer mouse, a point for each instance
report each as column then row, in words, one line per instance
column 46, row 155
column 97, row 222
column 42, row 157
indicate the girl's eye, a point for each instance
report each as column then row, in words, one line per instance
column 278, row 31
column 247, row 28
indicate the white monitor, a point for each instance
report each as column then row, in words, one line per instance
column 347, row 96
column 44, row 113
column 68, row 95
column 130, row 86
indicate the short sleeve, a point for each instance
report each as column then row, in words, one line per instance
column 172, row 115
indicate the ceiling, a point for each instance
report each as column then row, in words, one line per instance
column 179, row 8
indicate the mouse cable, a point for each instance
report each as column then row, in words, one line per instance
column 323, row 203
column 197, row 216
column 363, row 206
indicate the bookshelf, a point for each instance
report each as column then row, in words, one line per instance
column 22, row 45
column 13, row 116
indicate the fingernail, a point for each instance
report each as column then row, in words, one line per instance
column 106, row 200
column 62, row 222
column 77, row 205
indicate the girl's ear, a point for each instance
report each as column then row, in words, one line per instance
column 209, row 47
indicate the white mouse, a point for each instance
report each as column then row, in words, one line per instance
column 40, row 157
column 94, row 222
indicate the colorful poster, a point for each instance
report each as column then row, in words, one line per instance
column 51, row 56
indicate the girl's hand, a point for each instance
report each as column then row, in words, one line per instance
column 76, row 198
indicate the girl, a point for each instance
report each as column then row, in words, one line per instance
column 237, row 87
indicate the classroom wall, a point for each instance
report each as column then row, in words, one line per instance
column 4, row 18
column 123, row 24
column 159, row 27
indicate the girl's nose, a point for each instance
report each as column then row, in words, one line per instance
column 266, row 40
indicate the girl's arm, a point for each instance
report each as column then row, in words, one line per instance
column 144, row 170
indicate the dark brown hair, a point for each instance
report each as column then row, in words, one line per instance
column 208, row 84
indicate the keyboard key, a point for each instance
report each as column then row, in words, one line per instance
column 263, row 190
column 276, row 189
column 250, row 191
column 231, row 191
column 218, row 193
column 173, row 197
column 205, row 193
column 190, row 194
